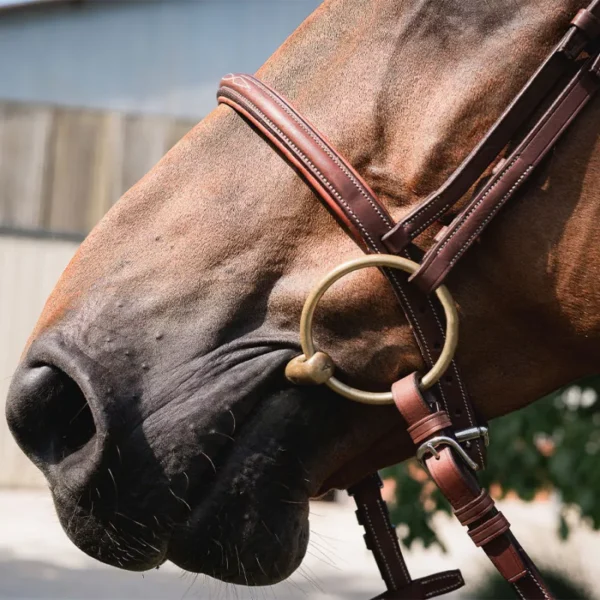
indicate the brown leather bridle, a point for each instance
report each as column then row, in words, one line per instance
column 449, row 436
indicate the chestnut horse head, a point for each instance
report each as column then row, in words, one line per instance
column 151, row 393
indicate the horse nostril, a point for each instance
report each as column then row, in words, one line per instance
column 49, row 414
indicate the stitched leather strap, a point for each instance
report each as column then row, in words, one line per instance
column 428, row 426
column 328, row 174
column 427, row 587
column 529, row 99
column 381, row 539
column 355, row 206
column 474, row 510
column 489, row 530
column 487, row 527
column 471, row 222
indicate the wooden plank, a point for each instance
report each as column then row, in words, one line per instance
column 24, row 137
column 145, row 144
column 62, row 169
column 73, row 157
column 107, row 183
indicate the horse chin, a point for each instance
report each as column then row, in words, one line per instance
column 248, row 538
column 251, row 527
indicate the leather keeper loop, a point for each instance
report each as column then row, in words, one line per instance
column 429, row 425
column 490, row 530
column 475, row 510
column 586, row 22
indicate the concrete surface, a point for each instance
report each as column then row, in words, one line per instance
column 37, row 561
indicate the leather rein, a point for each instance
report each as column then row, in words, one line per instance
column 450, row 437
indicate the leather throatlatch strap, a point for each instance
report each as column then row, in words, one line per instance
column 381, row 539
column 472, row 505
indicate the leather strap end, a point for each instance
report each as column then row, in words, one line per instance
column 431, row 274
column 442, row 583
column 587, row 22
column 397, row 239
column 427, row 587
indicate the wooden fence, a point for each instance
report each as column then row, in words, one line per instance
column 62, row 169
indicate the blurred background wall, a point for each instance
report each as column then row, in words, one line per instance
column 92, row 94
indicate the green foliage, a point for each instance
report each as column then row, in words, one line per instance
column 496, row 587
column 551, row 445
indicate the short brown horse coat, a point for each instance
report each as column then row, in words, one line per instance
column 221, row 242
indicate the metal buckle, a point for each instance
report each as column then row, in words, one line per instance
column 465, row 435
column 474, row 433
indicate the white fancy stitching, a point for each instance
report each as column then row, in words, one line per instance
column 428, row 207
column 394, row 544
column 477, row 204
column 490, row 216
column 536, row 583
column 526, row 145
column 460, row 384
column 519, row 591
column 448, row 588
column 243, row 100
column 433, row 578
column 471, row 420
column 430, row 221
column 326, row 149
column 540, row 587
column 412, row 314
column 387, row 566
column 439, row 324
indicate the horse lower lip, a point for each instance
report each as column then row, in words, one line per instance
column 202, row 552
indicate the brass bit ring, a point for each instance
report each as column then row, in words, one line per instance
column 317, row 367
